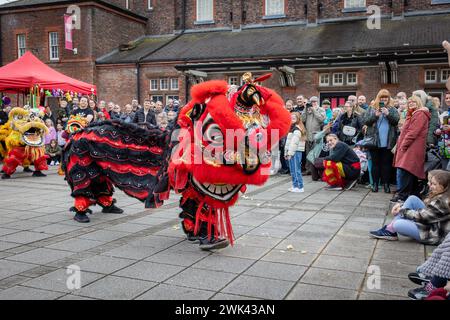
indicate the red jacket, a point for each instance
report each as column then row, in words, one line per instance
column 411, row 145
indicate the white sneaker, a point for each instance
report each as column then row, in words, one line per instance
column 297, row 190
column 52, row 163
column 57, row 163
column 291, row 189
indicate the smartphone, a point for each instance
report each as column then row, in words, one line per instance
column 445, row 120
column 381, row 104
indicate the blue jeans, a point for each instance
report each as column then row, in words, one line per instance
column 399, row 178
column 295, row 166
column 407, row 227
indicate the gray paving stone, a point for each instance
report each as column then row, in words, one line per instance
column 300, row 245
column 5, row 231
column 149, row 271
column 226, row 296
column 56, row 229
column 278, row 271
column 401, row 256
column 391, row 286
column 333, row 278
column 224, row 263
column 304, row 291
column 72, row 297
column 290, row 257
column 202, row 279
column 241, row 251
column 259, row 287
column 346, row 251
column 374, row 296
column 104, row 264
column 25, row 237
column 342, row 263
column 41, row 256
column 103, row 235
column 57, row 281
column 116, row 288
column 256, row 241
column 24, row 293
column 25, row 225
column 132, row 252
column 156, row 242
column 8, row 245
column 170, row 292
column 128, row 227
column 273, row 232
column 76, row 245
column 177, row 258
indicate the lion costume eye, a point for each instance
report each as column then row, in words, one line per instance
column 213, row 134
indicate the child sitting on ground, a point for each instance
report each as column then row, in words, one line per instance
column 53, row 152
column 425, row 221
column 434, row 274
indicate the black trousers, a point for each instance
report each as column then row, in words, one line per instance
column 284, row 163
column 408, row 185
column 381, row 164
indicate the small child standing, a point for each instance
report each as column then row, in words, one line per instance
column 293, row 151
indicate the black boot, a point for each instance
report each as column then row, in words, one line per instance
column 27, row 169
column 387, row 188
column 38, row 174
column 81, row 217
column 375, row 188
column 6, row 176
column 207, row 244
column 112, row 208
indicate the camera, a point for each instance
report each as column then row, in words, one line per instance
column 308, row 105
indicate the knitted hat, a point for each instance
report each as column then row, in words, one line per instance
column 327, row 102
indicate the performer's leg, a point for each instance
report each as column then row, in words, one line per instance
column 103, row 191
column 40, row 165
column 14, row 158
column 81, row 207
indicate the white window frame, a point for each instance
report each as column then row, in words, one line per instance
column 149, row 5
column 435, row 73
column 173, row 97
column 270, row 11
column 334, row 78
column 52, row 45
column 154, row 81
column 354, row 4
column 164, row 88
column 324, row 84
column 21, row 45
column 233, row 80
column 444, row 79
column 127, row 4
column 172, row 82
column 208, row 10
column 356, row 78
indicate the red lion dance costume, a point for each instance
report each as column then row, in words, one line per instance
column 218, row 146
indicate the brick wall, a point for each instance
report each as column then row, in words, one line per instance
column 116, row 83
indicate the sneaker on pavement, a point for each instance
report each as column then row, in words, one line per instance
column 81, row 217
column 419, row 278
column 384, row 234
column 39, row 174
column 206, row 244
column 52, row 163
column 298, row 190
column 27, row 169
column 419, row 293
column 6, row 176
column 112, row 209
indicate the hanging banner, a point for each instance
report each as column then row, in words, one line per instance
column 68, row 27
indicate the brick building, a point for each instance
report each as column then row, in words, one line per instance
column 158, row 49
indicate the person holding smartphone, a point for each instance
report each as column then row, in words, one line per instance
column 381, row 120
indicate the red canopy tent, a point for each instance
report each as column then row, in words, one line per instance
column 28, row 71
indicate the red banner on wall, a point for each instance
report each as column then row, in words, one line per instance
column 68, row 27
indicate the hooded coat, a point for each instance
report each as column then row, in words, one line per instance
column 411, row 145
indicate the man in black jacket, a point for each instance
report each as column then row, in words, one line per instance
column 3, row 116
column 145, row 114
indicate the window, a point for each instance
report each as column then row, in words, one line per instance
column 153, row 84
column 445, row 74
column 164, row 84
column 233, row 81
column 173, row 98
column 156, row 98
column 430, row 76
column 324, row 79
column 274, row 7
column 205, row 10
column 149, row 5
column 53, row 46
column 351, row 4
column 21, row 45
column 338, row 79
column 352, row 78
column 174, row 84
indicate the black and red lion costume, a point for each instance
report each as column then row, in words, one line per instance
column 217, row 146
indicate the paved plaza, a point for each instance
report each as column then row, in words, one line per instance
column 313, row 245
